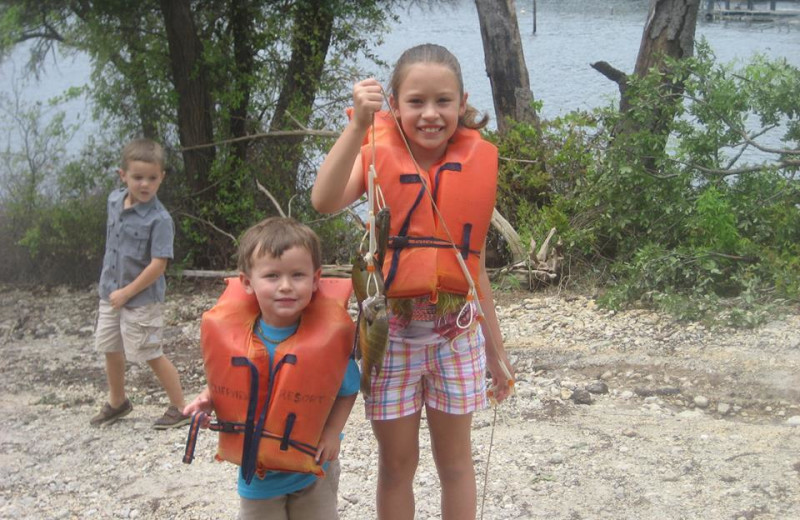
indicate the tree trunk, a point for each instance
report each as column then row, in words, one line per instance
column 195, row 125
column 242, row 16
column 668, row 32
column 505, row 62
column 311, row 36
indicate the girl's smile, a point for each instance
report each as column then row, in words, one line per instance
column 429, row 104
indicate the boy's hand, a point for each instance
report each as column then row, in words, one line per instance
column 367, row 99
column 201, row 403
column 118, row 299
column 328, row 448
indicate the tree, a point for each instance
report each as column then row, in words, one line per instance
column 668, row 34
column 505, row 63
column 310, row 42
column 192, row 86
column 216, row 74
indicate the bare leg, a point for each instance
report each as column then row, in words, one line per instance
column 115, row 375
column 167, row 374
column 452, row 452
column 398, row 453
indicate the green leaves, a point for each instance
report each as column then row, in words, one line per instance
column 678, row 220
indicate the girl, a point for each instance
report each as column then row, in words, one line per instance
column 439, row 180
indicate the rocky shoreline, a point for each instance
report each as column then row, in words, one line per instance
column 617, row 415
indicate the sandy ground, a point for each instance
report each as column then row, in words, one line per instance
column 617, row 416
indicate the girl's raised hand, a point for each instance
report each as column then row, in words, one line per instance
column 367, row 99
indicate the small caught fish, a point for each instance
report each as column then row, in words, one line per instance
column 359, row 277
column 373, row 321
column 382, row 221
column 373, row 338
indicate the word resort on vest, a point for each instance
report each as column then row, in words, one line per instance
column 271, row 412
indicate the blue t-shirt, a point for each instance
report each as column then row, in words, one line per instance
column 276, row 483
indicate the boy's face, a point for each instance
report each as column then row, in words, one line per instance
column 283, row 286
column 143, row 180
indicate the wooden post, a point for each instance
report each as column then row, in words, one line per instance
column 772, row 5
column 749, row 5
column 534, row 16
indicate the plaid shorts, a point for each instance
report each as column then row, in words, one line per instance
column 447, row 375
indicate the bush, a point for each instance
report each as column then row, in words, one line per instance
column 65, row 241
column 674, row 221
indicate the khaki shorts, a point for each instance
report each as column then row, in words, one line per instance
column 137, row 331
column 319, row 501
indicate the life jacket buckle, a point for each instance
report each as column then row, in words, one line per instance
column 227, row 427
column 398, row 242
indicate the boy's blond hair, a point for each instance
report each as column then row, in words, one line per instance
column 144, row 150
column 274, row 236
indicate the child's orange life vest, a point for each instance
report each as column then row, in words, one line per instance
column 270, row 413
column 420, row 259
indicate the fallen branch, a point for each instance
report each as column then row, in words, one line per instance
column 269, row 195
column 331, row 271
column 210, row 224
column 510, row 235
column 275, row 133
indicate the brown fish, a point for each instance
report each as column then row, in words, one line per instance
column 382, row 221
column 358, row 275
column 373, row 338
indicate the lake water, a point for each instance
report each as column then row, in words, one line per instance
column 570, row 35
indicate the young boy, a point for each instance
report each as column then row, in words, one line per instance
column 130, row 321
column 303, row 341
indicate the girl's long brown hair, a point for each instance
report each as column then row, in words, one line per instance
column 432, row 53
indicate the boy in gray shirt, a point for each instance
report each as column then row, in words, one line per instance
column 139, row 236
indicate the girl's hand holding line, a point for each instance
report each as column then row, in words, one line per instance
column 501, row 388
column 367, row 99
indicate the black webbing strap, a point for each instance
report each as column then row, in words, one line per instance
column 287, row 431
column 248, row 462
column 400, row 241
column 191, row 439
column 251, row 449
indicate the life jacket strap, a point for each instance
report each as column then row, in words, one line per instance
column 248, row 461
column 287, row 431
column 401, row 242
column 308, row 449
column 252, row 434
column 191, row 439
column 227, row 427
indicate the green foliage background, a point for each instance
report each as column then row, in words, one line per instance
column 687, row 227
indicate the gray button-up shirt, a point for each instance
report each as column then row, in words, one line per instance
column 135, row 236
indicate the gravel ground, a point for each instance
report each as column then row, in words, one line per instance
column 617, row 416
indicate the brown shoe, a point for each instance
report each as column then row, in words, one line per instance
column 172, row 418
column 109, row 415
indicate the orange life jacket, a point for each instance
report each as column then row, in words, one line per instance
column 420, row 260
column 270, row 413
